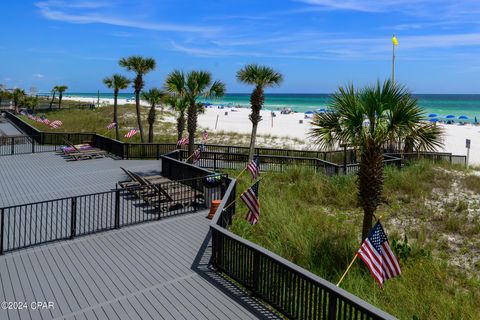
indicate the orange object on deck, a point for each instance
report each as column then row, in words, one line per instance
column 213, row 208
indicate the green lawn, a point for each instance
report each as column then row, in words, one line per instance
column 313, row 221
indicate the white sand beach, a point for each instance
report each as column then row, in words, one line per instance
column 288, row 125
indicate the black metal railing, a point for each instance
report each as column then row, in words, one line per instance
column 290, row 289
column 37, row 223
column 230, row 157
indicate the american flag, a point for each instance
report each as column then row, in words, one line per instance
column 196, row 155
column 182, row 141
column 377, row 255
column 254, row 167
column 44, row 120
column 250, row 198
column 30, row 116
column 23, row 113
column 111, row 125
column 205, row 135
column 56, row 124
column 131, row 133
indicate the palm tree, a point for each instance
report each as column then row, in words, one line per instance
column 190, row 87
column 60, row 90
column 140, row 66
column 31, row 102
column 261, row 77
column 370, row 119
column 18, row 96
column 54, row 91
column 154, row 97
column 4, row 94
column 178, row 105
column 117, row 82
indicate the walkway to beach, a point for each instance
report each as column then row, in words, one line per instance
column 154, row 270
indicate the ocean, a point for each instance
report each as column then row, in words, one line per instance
column 440, row 104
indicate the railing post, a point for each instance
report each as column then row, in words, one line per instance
column 256, row 272
column 33, row 145
column 215, row 162
column 117, row 209
column 158, row 151
column 2, row 226
column 73, row 218
column 13, row 145
column 332, row 306
column 128, row 150
column 195, row 195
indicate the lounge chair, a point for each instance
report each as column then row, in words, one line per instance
column 163, row 195
column 84, row 152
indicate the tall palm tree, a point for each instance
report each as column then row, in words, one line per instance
column 117, row 82
column 191, row 86
column 154, row 97
column 178, row 105
column 60, row 90
column 31, row 102
column 54, row 91
column 261, row 77
column 370, row 119
column 140, row 66
column 18, row 96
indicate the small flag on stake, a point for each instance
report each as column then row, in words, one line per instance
column 254, row 167
column 182, row 141
column 196, row 155
column 250, row 198
column 377, row 255
column 111, row 125
column 131, row 133
column 205, row 135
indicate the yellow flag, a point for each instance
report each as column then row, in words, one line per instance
column 394, row 41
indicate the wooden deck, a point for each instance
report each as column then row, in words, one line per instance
column 154, row 270
column 157, row 270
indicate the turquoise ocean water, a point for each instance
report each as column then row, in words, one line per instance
column 441, row 104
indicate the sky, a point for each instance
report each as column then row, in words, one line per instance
column 316, row 44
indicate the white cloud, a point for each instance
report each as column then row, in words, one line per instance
column 58, row 10
column 38, row 76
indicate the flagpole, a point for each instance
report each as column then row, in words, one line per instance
column 346, row 271
column 393, row 61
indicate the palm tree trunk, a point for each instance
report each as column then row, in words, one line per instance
column 51, row 101
column 192, row 128
column 253, row 138
column 139, row 119
column 60, row 96
column 180, row 125
column 256, row 101
column 151, row 121
column 370, row 184
column 115, row 114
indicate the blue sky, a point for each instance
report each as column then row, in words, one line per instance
column 316, row 44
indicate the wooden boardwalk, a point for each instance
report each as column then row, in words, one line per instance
column 156, row 270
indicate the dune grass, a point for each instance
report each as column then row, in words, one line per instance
column 314, row 221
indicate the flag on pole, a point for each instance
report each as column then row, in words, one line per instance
column 205, row 135
column 196, row 155
column 394, row 40
column 250, row 198
column 182, row 141
column 254, row 167
column 111, row 125
column 56, row 123
column 131, row 133
column 377, row 255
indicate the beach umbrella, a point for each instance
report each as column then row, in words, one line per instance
column 434, row 120
column 450, row 116
column 432, row 115
column 476, row 119
column 463, row 117
column 309, row 112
